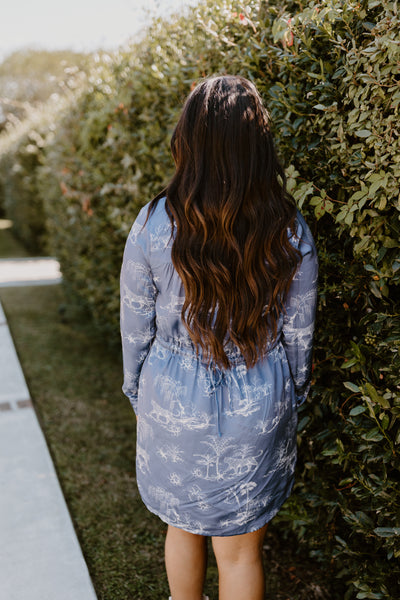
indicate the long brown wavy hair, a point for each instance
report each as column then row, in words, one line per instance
column 229, row 205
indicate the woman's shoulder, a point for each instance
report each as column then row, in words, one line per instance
column 153, row 224
column 149, row 224
column 151, row 215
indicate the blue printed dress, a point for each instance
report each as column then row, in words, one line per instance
column 216, row 449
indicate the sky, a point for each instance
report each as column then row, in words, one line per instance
column 82, row 25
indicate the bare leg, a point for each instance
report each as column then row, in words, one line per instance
column 240, row 566
column 186, row 562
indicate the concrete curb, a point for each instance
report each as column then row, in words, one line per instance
column 40, row 556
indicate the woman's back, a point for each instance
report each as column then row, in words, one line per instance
column 204, row 429
column 156, row 238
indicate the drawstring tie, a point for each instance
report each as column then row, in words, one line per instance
column 219, row 378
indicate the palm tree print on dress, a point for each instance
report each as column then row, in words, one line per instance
column 215, row 459
column 248, row 506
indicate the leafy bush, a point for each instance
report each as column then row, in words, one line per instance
column 23, row 142
column 21, row 152
column 329, row 74
column 337, row 122
column 102, row 167
column 28, row 78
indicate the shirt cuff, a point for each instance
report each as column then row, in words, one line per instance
column 301, row 395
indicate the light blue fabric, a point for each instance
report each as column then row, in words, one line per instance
column 216, row 449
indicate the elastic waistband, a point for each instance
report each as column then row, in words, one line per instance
column 178, row 347
column 218, row 378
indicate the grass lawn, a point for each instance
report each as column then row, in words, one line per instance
column 9, row 246
column 75, row 382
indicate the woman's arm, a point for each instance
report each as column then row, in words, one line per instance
column 299, row 318
column 138, row 297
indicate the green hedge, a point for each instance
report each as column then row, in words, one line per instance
column 102, row 167
column 20, row 201
column 23, row 142
column 329, row 74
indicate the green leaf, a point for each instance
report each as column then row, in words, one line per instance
column 363, row 133
column 373, row 436
column 349, row 218
column 387, row 531
column 351, row 386
column 375, row 397
column 374, row 289
column 374, row 187
column 349, row 363
column 329, row 452
column 384, row 421
column 390, row 243
column 357, row 410
column 370, row 268
column 303, row 423
column 341, row 541
column 362, row 244
column 360, row 194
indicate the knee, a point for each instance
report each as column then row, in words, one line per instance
column 235, row 553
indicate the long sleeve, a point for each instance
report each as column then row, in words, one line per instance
column 299, row 316
column 138, row 296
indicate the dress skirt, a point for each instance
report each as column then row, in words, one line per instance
column 216, row 450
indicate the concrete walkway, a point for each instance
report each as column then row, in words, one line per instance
column 40, row 557
column 29, row 271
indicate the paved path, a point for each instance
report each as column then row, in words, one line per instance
column 29, row 271
column 40, row 557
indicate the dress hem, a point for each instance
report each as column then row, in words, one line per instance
column 210, row 533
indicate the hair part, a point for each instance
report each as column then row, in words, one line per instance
column 230, row 213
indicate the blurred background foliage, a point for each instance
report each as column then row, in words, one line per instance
column 74, row 174
column 35, row 86
column 30, row 77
